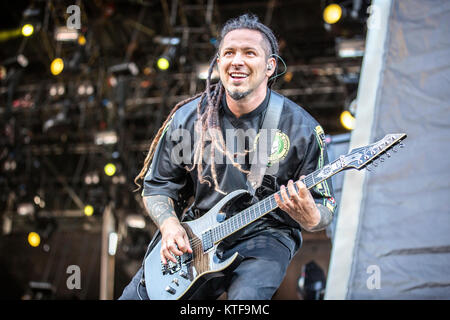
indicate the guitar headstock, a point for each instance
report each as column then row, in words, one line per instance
column 359, row 158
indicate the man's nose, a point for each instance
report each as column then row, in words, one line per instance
column 237, row 60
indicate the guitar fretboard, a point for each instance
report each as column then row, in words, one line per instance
column 254, row 212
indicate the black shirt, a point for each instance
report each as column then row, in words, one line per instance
column 298, row 149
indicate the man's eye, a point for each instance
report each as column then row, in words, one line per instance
column 251, row 53
column 227, row 53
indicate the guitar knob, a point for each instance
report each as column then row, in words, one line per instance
column 170, row 290
column 175, row 280
column 184, row 274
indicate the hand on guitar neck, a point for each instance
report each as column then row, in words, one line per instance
column 297, row 201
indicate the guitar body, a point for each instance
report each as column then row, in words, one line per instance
column 185, row 279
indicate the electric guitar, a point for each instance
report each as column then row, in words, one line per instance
column 184, row 279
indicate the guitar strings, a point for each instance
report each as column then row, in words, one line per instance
column 197, row 242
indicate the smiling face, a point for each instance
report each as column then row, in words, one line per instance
column 242, row 63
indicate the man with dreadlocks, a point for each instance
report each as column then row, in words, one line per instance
column 247, row 63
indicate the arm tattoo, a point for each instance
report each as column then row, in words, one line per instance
column 326, row 216
column 160, row 208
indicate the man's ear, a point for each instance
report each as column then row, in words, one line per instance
column 271, row 66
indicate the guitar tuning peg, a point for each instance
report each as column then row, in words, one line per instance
column 381, row 159
column 375, row 163
column 401, row 145
column 393, row 149
column 369, row 168
column 388, row 154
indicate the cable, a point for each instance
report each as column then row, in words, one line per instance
column 285, row 67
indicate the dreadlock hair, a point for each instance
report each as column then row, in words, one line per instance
column 208, row 119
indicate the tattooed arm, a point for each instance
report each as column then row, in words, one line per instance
column 160, row 208
column 174, row 239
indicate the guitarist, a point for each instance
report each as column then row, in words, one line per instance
column 247, row 61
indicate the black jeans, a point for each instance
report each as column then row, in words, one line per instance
column 259, row 275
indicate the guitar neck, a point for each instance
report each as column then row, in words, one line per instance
column 259, row 209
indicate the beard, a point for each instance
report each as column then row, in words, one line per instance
column 237, row 95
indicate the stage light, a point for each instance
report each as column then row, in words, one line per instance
column 34, row 239
column 25, row 209
column 61, row 90
column 89, row 89
column 347, row 120
column 136, row 221
column 88, row 210
column 27, row 30
column 110, row 169
column 112, row 243
column 81, row 90
column 57, row 66
column 350, row 48
column 106, row 138
column 65, row 34
column 163, row 63
column 81, row 40
column 332, row 13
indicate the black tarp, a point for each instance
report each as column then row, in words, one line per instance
column 404, row 225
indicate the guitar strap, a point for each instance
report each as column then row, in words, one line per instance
column 265, row 140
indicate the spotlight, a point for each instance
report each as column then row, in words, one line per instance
column 61, row 90
column 57, row 66
column 81, row 90
column 53, row 91
column 34, row 239
column 88, row 210
column 112, row 243
column 81, row 40
column 163, row 63
column 347, row 120
column 25, row 209
column 89, row 89
column 65, row 34
column 106, row 137
column 332, row 13
column 27, row 30
column 110, row 169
